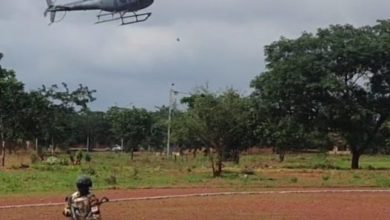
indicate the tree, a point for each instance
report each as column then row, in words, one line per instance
column 63, row 107
column 182, row 133
column 46, row 113
column 281, row 120
column 94, row 126
column 219, row 122
column 133, row 125
column 37, row 118
column 336, row 80
column 12, row 97
column 158, row 131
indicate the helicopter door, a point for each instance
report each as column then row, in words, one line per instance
column 122, row 2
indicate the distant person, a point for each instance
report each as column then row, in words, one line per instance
column 82, row 205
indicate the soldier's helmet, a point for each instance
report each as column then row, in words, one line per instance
column 84, row 182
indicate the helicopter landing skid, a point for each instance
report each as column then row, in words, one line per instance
column 125, row 19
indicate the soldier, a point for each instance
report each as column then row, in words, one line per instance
column 82, row 205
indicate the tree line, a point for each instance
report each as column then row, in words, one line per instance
column 318, row 90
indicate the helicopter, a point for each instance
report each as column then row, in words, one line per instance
column 110, row 10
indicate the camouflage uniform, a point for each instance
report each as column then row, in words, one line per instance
column 82, row 205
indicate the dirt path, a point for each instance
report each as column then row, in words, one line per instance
column 286, row 204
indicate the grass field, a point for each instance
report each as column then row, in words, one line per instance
column 115, row 170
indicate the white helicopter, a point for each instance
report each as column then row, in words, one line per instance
column 110, row 10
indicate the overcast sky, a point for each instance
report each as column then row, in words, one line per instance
column 221, row 44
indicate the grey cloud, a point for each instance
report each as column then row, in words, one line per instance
column 221, row 43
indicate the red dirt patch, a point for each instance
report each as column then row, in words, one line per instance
column 309, row 205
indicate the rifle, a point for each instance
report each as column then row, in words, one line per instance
column 78, row 213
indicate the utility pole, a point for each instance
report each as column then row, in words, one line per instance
column 172, row 94
column 171, row 91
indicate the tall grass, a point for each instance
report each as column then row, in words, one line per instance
column 117, row 170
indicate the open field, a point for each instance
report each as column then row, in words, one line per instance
column 116, row 170
column 304, row 186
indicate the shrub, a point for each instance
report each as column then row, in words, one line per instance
column 90, row 171
column 52, row 161
column 64, row 162
column 79, row 156
column 325, row 165
column 356, row 176
column 111, row 180
column 294, row 180
column 34, row 158
column 135, row 172
column 248, row 171
column 88, row 158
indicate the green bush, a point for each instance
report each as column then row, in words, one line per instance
column 135, row 172
column 111, row 180
column 90, row 171
column 79, row 156
column 88, row 158
column 34, row 158
column 53, row 161
column 325, row 164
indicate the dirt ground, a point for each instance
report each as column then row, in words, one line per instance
column 273, row 204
